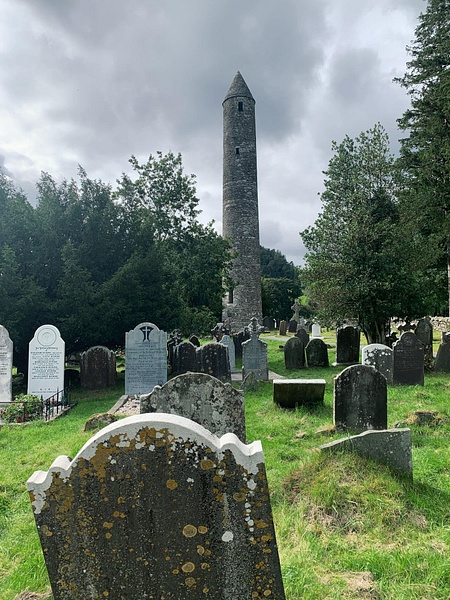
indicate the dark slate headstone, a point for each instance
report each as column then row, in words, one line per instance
column 442, row 362
column 239, row 338
column 184, row 358
column 317, row 353
column 303, row 335
column 212, row 359
column 347, row 345
column 173, row 340
column 194, row 340
column 204, row 399
column 294, row 354
column 292, row 327
column 424, row 331
column 155, row 506
column 408, row 360
column 97, row 368
column 360, row 399
column 269, row 323
column 380, row 357
column 283, row 328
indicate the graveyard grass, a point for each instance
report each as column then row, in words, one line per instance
column 346, row 527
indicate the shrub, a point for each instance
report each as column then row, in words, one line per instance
column 26, row 407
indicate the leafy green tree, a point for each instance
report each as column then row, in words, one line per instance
column 278, row 295
column 425, row 152
column 356, row 264
column 275, row 265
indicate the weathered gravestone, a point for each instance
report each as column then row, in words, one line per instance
column 173, row 340
column 194, row 340
column 292, row 326
column 283, row 328
column 294, row 354
column 97, row 368
column 184, row 358
column 442, row 362
column 360, row 399
column 228, row 342
column 380, row 357
column 316, row 330
column 269, row 323
column 347, row 345
column 408, row 366
column 155, row 506
column 145, row 359
column 289, row 393
column 204, row 399
column 239, row 338
column 212, row 359
column 6, row 365
column 254, row 354
column 317, row 353
column 46, row 362
column 424, row 331
column 303, row 335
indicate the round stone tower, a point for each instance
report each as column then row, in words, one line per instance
column 240, row 204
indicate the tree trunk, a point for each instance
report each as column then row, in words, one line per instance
column 376, row 332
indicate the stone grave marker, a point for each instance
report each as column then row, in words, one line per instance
column 6, row 365
column 294, row 354
column 194, row 340
column 269, row 323
column 289, row 393
column 155, row 506
column 360, row 399
column 283, row 328
column 254, row 354
column 316, row 330
column 228, row 342
column 292, row 326
column 97, row 368
column 303, row 335
column 145, row 359
column 347, row 345
column 424, row 331
column 204, row 399
column 408, row 365
column 442, row 362
column 174, row 338
column 184, row 358
column 317, row 353
column 239, row 338
column 46, row 362
column 212, row 359
column 380, row 357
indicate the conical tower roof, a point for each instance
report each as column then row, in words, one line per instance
column 238, row 87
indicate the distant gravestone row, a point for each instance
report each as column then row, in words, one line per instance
column 297, row 355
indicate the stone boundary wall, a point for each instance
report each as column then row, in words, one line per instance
column 441, row 323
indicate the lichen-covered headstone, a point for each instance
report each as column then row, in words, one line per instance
column 212, row 359
column 184, row 358
column 317, row 353
column 254, row 354
column 380, row 357
column 204, row 399
column 282, row 328
column 408, row 366
column 97, row 368
column 145, row 359
column 294, row 354
column 424, row 331
column 46, row 353
column 6, row 364
column 360, row 399
column 347, row 345
column 442, row 362
column 155, row 506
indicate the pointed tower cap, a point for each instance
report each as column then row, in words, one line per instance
column 238, row 87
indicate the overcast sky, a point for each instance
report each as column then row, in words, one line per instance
column 92, row 82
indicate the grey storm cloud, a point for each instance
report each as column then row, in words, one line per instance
column 92, row 83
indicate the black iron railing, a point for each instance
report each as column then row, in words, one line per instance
column 56, row 404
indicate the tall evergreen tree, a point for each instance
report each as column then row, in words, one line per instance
column 425, row 152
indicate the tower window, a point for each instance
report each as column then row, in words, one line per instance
column 237, row 150
column 240, row 106
column 230, row 296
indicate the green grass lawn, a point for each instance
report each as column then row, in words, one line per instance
column 346, row 527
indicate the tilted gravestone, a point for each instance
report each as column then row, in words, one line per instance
column 424, row 331
column 46, row 362
column 194, row 340
column 360, row 399
column 294, row 354
column 204, row 399
column 254, row 354
column 184, row 358
column 97, row 368
column 317, row 353
column 145, row 359
column 303, row 335
column 282, row 328
column 212, row 359
column 380, row 357
column 155, row 506
column 408, row 366
column 442, row 362
column 6, row 365
column 228, row 342
column 347, row 345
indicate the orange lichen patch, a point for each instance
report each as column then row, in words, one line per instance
column 205, row 566
column 190, row 581
column 202, row 529
column 105, row 594
column 46, row 531
column 261, row 524
column 121, row 500
column 108, row 525
column 175, row 571
column 239, row 496
column 267, row 593
column 206, row 464
column 200, row 550
column 267, row 537
column 171, row 484
column 189, row 531
column 188, row 567
column 108, row 535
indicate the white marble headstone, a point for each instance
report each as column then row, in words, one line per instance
column 6, row 363
column 316, row 330
column 46, row 362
